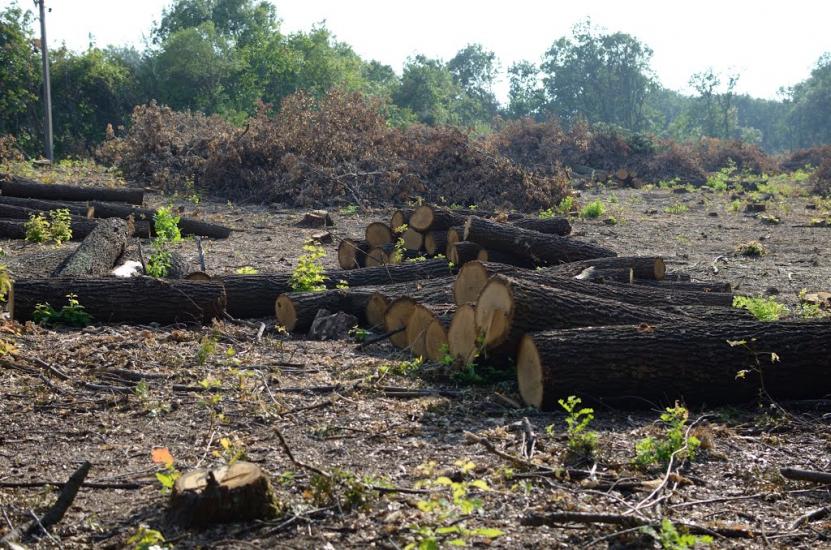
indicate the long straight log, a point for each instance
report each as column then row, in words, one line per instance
column 378, row 234
column 74, row 208
column 650, row 268
column 13, row 212
column 400, row 218
column 541, row 248
column 695, row 363
column 426, row 291
column 474, row 275
column 16, row 229
column 499, row 257
column 435, row 340
column 431, row 218
column 188, row 226
column 352, row 253
column 413, row 240
column 296, row 310
column 507, row 308
column 550, row 226
column 688, row 286
column 97, row 254
column 131, row 300
column 462, row 252
column 16, row 186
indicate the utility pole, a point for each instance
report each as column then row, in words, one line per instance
column 47, row 88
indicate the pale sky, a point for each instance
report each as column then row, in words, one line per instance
column 771, row 43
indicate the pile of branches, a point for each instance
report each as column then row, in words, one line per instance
column 546, row 146
column 315, row 152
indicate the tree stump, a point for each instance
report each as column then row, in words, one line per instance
column 316, row 219
column 239, row 492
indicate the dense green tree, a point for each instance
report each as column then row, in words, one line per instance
column 599, row 76
column 810, row 114
column 428, row 90
column 526, row 96
column 474, row 70
column 20, row 79
column 243, row 21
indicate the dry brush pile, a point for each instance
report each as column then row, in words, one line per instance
column 335, row 150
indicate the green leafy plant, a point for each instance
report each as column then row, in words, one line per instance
column 37, row 228
column 593, row 210
column 308, row 273
column 676, row 208
column 349, row 210
column 231, row 450
column 207, row 347
column 358, row 333
column 770, row 219
column 764, row 309
column 718, row 181
column 566, row 205
column 581, row 441
column 673, row 442
column 60, row 225
column 751, row 249
column 160, row 261
column 166, row 225
column 72, row 314
column 671, row 539
column 341, row 488
column 246, row 270
column 342, row 285
column 147, row 539
column 736, row 205
column 168, row 476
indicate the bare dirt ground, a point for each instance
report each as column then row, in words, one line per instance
column 390, row 431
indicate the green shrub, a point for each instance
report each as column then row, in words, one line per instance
column 764, row 309
column 167, row 225
column 580, row 441
column 72, row 314
column 37, row 228
column 670, row 539
column 751, row 249
column 60, row 225
column 650, row 450
column 167, row 231
column 308, row 273
column 593, row 210
column 676, row 208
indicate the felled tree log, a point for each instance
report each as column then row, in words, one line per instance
column 378, row 234
column 507, row 308
column 235, row 493
column 16, row 186
column 435, row 340
column 423, row 290
column 542, row 249
column 253, row 296
column 16, row 229
column 474, row 275
column 609, row 275
column 413, row 240
column 688, row 286
column 455, row 234
column 551, row 226
column 462, row 333
column 296, row 310
column 396, row 318
column 97, row 254
column 187, row 226
column 352, row 253
column 316, row 218
column 431, row 218
column 22, row 213
column 435, row 242
column 691, row 362
column 499, row 257
column 643, row 267
column 709, row 314
column 400, row 217
column 418, row 324
column 462, row 252
column 131, row 300
column 75, row 209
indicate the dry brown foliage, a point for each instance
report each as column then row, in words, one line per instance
column 821, row 178
column 714, row 154
column 334, row 150
column 9, row 150
column 804, row 158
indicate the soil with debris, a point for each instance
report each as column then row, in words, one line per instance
column 412, row 457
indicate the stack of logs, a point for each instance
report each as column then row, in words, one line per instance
column 429, row 232
column 572, row 317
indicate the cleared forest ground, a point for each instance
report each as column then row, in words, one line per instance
column 394, row 434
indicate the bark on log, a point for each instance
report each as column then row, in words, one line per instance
column 297, row 310
column 16, row 186
column 236, row 493
column 643, row 267
column 188, row 226
column 12, row 212
column 709, row 314
column 474, row 275
column 507, row 308
column 550, row 226
column 131, row 300
column 623, row 275
column 688, row 286
column 690, row 362
column 435, row 242
column 499, row 257
column 542, row 249
column 97, row 254
column 16, row 229
column 462, row 252
column 352, row 253
column 430, row 269
column 438, row 290
column 431, row 218
column 75, row 209
column 378, row 234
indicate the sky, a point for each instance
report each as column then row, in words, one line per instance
column 771, row 43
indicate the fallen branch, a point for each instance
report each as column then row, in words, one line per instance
column 379, row 338
column 814, row 515
column 806, row 475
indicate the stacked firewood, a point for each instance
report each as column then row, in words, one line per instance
column 428, row 231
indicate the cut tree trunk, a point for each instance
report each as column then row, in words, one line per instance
column 421, row 319
column 643, row 267
column 709, row 314
column 97, row 254
column 75, row 209
column 496, row 256
column 474, row 275
column 463, row 252
column 413, row 240
column 397, row 317
column 462, row 334
column 695, row 363
column 430, row 269
column 400, row 217
column 538, row 247
column 431, row 218
column 609, row 275
column 437, row 290
column 16, row 186
column 316, row 219
column 378, row 234
column 296, row 310
column 16, row 229
column 550, row 226
column 507, row 308
column 436, row 338
column 455, row 234
column 188, row 226
column 688, row 286
column 22, row 213
column 240, row 492
column 435, row 242
column 130, row 300
column 352, row 253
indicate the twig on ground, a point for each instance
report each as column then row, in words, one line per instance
column 814, row 515
column 379, row 338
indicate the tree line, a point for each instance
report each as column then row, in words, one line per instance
column 228, row 57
